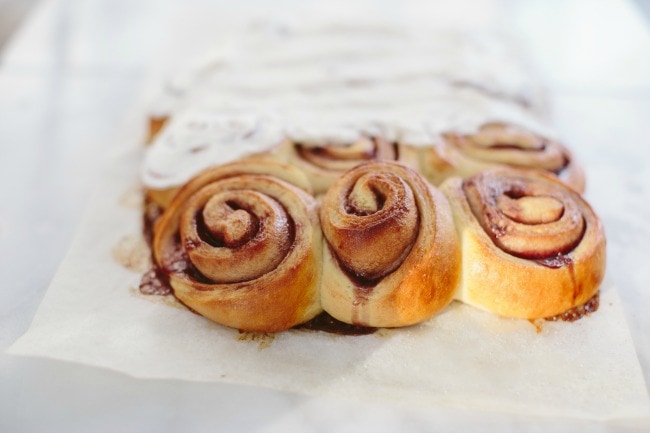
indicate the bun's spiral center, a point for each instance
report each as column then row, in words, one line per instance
column 371, row 223
column 235, row 235
column 227, row 222
column 343, row 158
column 532, row 220
column 531, row 210
column 501, row 143
column 368, row 196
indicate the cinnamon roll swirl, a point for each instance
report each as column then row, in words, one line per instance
column 325, row 164
column 531, row 246
column 392, row 256
column 496, row 145
column 242, row 245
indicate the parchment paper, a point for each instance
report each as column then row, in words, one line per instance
column 93, row 314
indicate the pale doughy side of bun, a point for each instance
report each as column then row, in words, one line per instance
column 502, row 283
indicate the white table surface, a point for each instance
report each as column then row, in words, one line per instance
column 70, row 76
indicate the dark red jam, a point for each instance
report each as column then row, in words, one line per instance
column 326, row 323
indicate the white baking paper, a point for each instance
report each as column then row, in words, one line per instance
column 93, row 314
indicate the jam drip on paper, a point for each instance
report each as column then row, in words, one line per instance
column 326, row 323
column 576, row 313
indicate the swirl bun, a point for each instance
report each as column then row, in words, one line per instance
column 324, row 164
column 498, row 145
column 391, row 257
column 242, row 244
column 531, row 246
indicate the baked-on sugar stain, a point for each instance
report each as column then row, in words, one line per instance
column 155, row 282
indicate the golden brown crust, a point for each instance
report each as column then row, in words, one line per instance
column 325, row 164
column 242, row 246
column 156, row 124
column 498, row 145
column 161, row 197
column 392, row 256
column 531, row 246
